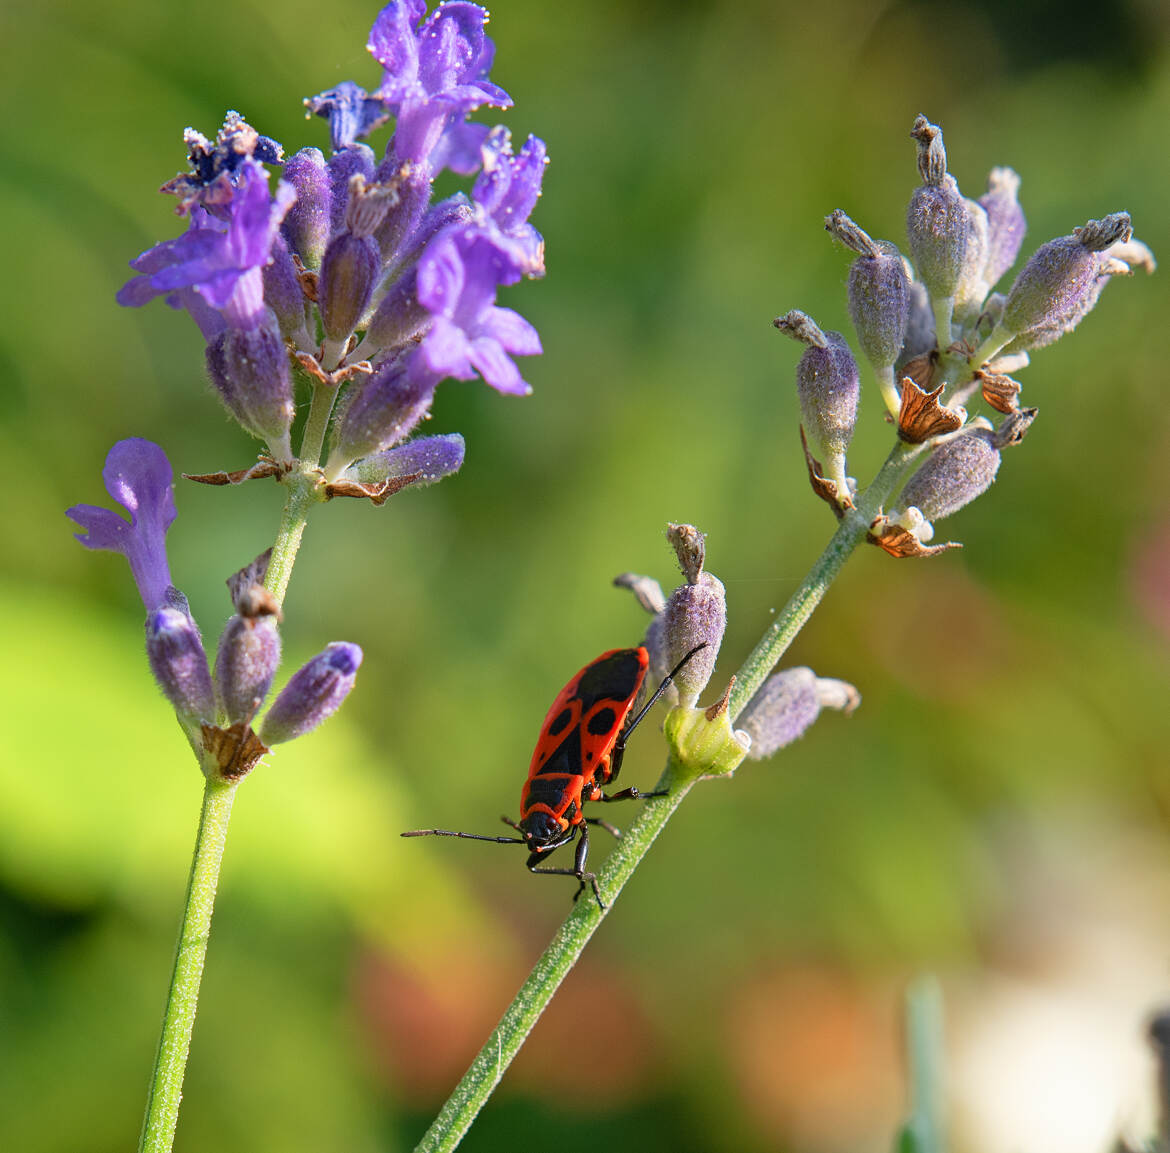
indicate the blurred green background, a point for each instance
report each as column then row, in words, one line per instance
column 995, row 812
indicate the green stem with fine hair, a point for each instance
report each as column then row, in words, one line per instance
column 550, row 970
column 304, row 491
column 162, row 1107
column 558, row 959
column 170, row 1063
column 792, row 618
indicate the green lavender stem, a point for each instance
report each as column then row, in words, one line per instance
column 304, row 491
column 558, row 959
column 792, row 618
column 554, row 965
column 162, row 1107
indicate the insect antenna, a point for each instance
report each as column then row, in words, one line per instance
column 466, row 836
column 666, row 680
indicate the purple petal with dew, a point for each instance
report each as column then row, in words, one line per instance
column 351, row 111
column 138, row 476
column 393, row 40
column 441, row 277
column 497, row 368
column 446, row 350
column 459, row 148
column 514, row 332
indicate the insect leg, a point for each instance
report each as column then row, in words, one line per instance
column 578, row 869
column 613, row 830
column 633, row 793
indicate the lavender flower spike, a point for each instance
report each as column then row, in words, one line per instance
column 138, row 476
column 457, row 278
column 314, row 694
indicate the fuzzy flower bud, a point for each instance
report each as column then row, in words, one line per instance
column 787, row 704
column 249, row 368
column 426, row 458
column 284, row 294
column 879, row 291
column 398, row 318
column 398, row 227
column 937, row 224
column 952, row 476
column 879, row 299
column 353, row 262
column 314, row 694
column 829, row 388
column 384, row 409
column 245, row 663
column 306, row 225
column 174, row 649
column 1061, row 282
column 1005, row 221
column 695, row 614
column 973, row 287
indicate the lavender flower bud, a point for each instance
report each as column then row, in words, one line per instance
column 246, row 662
column 284, row 295
column 829, row 387
column 353, row 261
column 314, row 694
column 396, row 231
column 953, row 475
column 398, row 318
column 787, row 704
column 453, row 210
column 249, row 369
column 343, row 166
column 879, row 291
column 695, row 613
column 306, row 225
column 1061, row 282
column 174, row 649
column 973, row 287
column 936, row 221
column 1005, row 220
column 383, row 409
column 919, row 328
column 430, row 458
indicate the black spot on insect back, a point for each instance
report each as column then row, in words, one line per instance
column 560, row 723
column 617, row 677
column 602, row 722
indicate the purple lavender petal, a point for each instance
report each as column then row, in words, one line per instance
column 447, row 351
column 505, row 194
column 459, row 148
column 457, row 279
column 435, row 73
column 138, row 476
column 314, row 694
column 352, row 113
column 514, row 332
column 225, row 267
